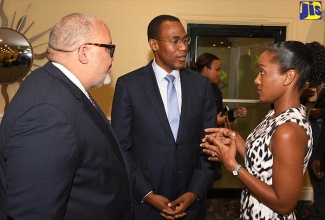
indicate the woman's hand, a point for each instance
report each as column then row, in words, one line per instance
column 221, row 146
column 221, row 134
column 240, row 112
column 221, row 119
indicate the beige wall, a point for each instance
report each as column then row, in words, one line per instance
column 128, row 22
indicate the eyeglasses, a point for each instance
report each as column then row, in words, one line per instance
column 110, row 47
column 177, row 42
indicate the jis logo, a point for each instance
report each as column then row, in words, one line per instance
column 311, row 10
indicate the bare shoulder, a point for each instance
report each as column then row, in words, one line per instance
column 289, row 130
column 289, row 134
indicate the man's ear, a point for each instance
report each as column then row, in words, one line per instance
column 289, row 77
column 82, row 54
column 153, row 45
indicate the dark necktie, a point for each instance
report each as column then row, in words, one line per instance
column 172, row 105
column 92, row 102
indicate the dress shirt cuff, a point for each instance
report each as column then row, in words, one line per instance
column 146, row 196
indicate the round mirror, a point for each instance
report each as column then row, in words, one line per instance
column 16, row 56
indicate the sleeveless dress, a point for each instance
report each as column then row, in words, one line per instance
column 259, row 160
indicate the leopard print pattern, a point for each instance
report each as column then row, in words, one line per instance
column 259, row 160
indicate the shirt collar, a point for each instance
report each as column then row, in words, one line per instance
column 161, row 73
column 72, row 77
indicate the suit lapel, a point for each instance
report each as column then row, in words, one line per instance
column 102, row 123
column 96, row 115
column 187, row 90
column 150, row 86
column 100, row 112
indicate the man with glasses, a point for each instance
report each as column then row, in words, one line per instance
column 159, row 114
column 59, row 158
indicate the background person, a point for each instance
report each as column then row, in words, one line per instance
column 171, row 174
column 317, row 165
column 59, row 158
column 278, row 150
column 316, row 109
column 209, row 65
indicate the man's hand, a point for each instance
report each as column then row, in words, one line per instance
column 159, row 202
column 180, row 205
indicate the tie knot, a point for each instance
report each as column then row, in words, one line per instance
column 170, row 78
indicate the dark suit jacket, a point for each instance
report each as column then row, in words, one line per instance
column 59, row 157
column 158, row 163
column 319, row 134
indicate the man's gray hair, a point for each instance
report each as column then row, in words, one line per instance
column 71, row 31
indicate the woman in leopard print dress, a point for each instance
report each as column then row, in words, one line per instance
column 277, row 151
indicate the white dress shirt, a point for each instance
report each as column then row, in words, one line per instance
column 160, row 74
column 72, row 77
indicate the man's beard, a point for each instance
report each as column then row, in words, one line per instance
column 106, row 81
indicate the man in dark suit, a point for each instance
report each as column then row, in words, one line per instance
column 169, row 173
column 59, row 158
